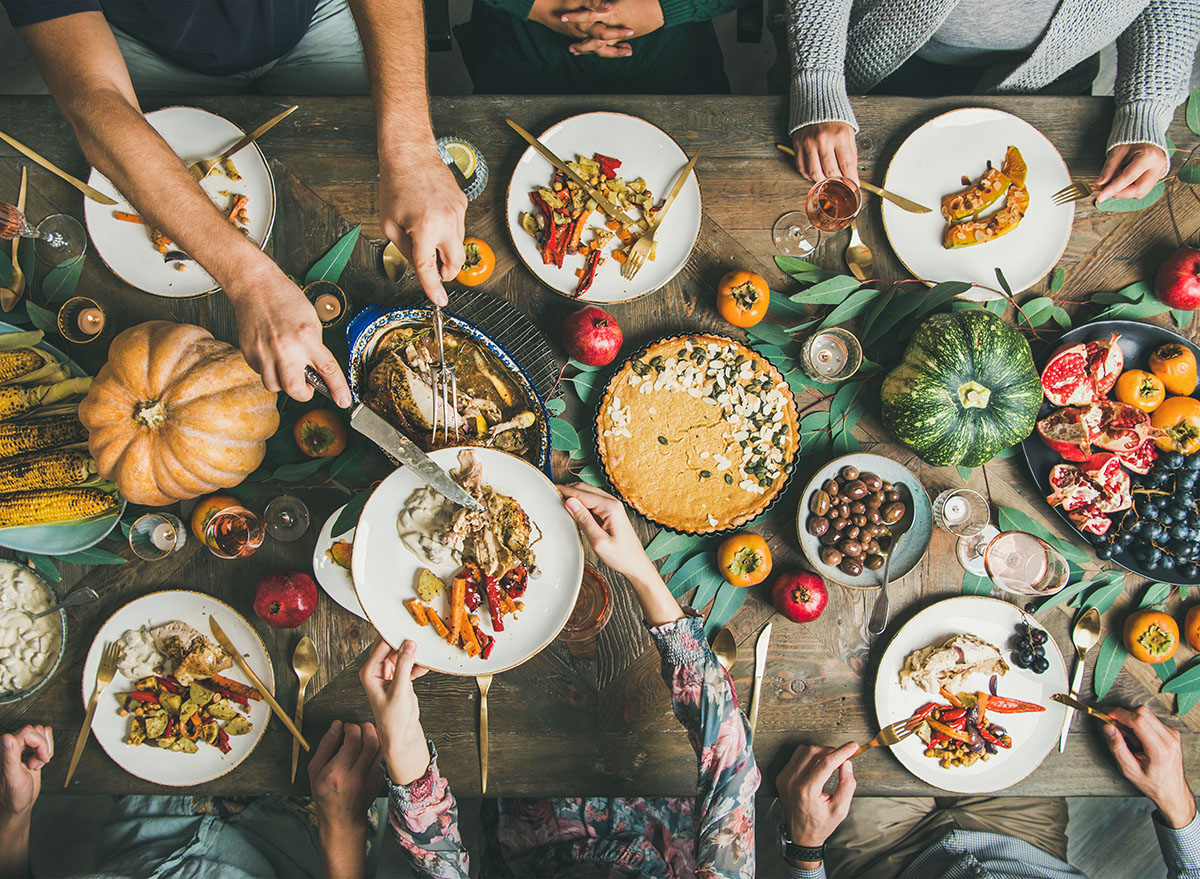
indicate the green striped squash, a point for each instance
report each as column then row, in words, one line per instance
column 966, row 389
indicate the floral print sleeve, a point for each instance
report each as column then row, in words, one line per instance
column 424, row 817
column 703, row 699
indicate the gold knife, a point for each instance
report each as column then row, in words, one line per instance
column 609, row 208
column 240, row 660
column 485, row 684
column 760, row 665
column 1070, row 702
column 900, row 201
column 93, row 194
column 203, row 168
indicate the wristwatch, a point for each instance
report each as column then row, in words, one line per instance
column 793, row 852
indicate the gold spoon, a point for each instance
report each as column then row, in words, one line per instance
column 305, row 664
column 10, row 295
column 1084, row 636
column 858, row 255
column 725, row 648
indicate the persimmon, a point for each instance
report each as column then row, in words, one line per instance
column 206, row 508
column 1140, row 388
column 743, row 297
column 1175, row 364
column 1191, row 627
column 1151, row 636
column 479, row 263
column 320, row 433
column 1177, row 425
column 744, row 559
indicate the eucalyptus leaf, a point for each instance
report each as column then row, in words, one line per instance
column 348, row 517
column 671, row 563
column 791, row 265
column 592, row 475
column 1065, row 595
column 60, row 282
column 828, row 292
column 667, row 542
column 93, row 556
column 855, row 305
column 1186, row 681
column 1015, row 520
column 1035, row 312
column 1103, row 597
column 784, row 307
column 348, row 463
column 1109, row 662
column 709, row 583
column 1133, row 310
column 845, row 443
column 44, row 565
column 1165, row 670
column 245, row 491
column 1192, row 114
column 1058, row 279
column 1156, row 593
column 1003, row 281
column 728, row 602
column 556, row 405
column 1182, row 316
column 587, row 386
column 1060, row 317
column 581, row 366
column 996, row 306
column 964, row 473
column 842, row 400
column 939, row 295
column 297, row 472
column 1125, row 205
column 801, row 327
column 41, row 318
column 973, row 584
column 1190, row 173
column 689, row 574
column 877, row 308
column 564, row 436
column 333, row 263
column 772, row 333
column 904, row 304
column 1185, row 702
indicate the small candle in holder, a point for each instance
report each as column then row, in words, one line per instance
column 90, row 321
column 81, row 320
column 831, row 355
column 163, row 536
column 155, row 536
column 328, row 307
column 328, row 300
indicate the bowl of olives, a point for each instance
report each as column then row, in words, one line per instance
column 845, row 515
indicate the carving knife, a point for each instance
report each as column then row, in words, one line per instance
column 1072, row 702
column 92, row 193
column 761, row 648
column 372, row 425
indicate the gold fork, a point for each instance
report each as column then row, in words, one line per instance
column 485, row 684
column 891, row 734
column 1076, row 190
column 642, row 247
column 104, row 676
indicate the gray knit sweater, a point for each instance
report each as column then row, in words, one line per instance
column 841, row 46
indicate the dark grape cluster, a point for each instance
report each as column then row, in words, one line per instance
column 1029, row 648
column 1162, row 531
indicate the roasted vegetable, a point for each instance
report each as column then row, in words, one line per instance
column 59, row 468
column 17, row 400
column 54, row 505
column 43, row 432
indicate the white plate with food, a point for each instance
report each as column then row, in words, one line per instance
column 972, row 143
column 331, row 565
column 961, row 643
column 527, row 544
column 241, row 188
column 649, row 160
column 161, row 630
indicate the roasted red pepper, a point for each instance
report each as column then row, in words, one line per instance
column 170, row 685
column 949, row 731
column 608, row 165
column 144, row 696
column 495, row 605
column 924, row 711
column 589, row 272
column 954, row 714
column 223, row 741
column 1004, row 705
column 988, row 737
column 485, row 643
column 228, row 694
column 170, row 730
column 515, row 581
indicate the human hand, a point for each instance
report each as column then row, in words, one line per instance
column 826, row 149
column 1130, row 171
column 345, row 776
column 811, row 814
column 387, row 677
column 1158, row 770
column 606, row 22
column 423, row 213
column 586, row 21
column 25, row 753
column 279, row 334
column 605, row 523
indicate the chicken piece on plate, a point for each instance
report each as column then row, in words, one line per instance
column 950, row 664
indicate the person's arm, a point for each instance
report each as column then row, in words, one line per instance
column 422, row 812
column 821, row 121
column 25, row 752
column 1157, row 771
column 278, row 330
column 701, row 693
column 809, row 813
column 345, row 776
column 420, row 205
column 1154, row 65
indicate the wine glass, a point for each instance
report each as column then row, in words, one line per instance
column 58, row 239
column 234, row 532
column 1016, row 561
column 829, row 206
column 794, row 235
column 286, row 518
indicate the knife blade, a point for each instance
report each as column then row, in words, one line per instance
column 94, row 194
column 240, row 662
column 372, row 425
column 609, row 208
column 1076, row 683
column 248, row 139
column 761, row 648
column 1071, row 702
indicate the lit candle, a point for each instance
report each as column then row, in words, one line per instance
column 956, row 510
column 90, row 320
column 163, row 536
column 328, row 307
column 828, row 354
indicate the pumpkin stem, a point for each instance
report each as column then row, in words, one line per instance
column 973, row 395
column 150, row 413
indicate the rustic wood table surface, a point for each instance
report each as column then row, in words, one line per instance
column 596, row 721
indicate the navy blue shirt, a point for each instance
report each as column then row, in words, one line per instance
column 216, row 37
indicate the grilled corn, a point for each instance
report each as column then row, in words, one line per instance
column 34, row 434
column 16, row 400
column 21, row 361
column 55, row 469
column 54, row 505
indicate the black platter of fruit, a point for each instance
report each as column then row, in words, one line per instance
column 1159, row 536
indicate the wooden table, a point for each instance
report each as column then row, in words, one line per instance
column 598, row 721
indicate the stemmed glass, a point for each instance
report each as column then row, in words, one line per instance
column 58, row 239
column 234, row 532
column 286, row 518
column 1016, row 561
column 829, row 206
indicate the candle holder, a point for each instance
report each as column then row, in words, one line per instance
column 831, row 355
column 330, row 302
column 81, row 320
column 961, row 511
column 155, row 536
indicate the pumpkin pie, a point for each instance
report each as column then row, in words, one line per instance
column 697, row 433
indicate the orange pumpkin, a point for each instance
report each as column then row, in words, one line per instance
column 176, row 413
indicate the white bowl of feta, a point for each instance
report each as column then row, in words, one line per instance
column 30, row 650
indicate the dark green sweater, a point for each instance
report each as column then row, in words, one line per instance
column 661, row 61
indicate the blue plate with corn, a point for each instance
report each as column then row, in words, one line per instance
column 52, row 502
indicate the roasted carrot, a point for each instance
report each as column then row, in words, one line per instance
column 458, row 608
column 620, row 255
column 981, row 705
column 506, row 601
column 951, row 698
column 127, row 217
column 949, row 731
column 470, row 642
column 436, row 621
column 244, row 690
column 418, row 611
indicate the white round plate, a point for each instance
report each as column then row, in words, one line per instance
column 154, row 764
column 126, row 249
column 1033, row 735
column 335, row 579
column 385, row 572
column 930, row 164
column 645, row 151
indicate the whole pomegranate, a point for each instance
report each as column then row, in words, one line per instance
column 285, row 599
column 1178, row 281
column 591, row 335
column 799, row 595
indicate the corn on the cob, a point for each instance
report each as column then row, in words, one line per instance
column 17, row 400
column 34, row 434
column 54, row 505
column 20, row 361
column 55, row 469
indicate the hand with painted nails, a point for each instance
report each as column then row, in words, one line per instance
column 1130, row 171
column 387, row 677
column 1157, row 769
column 826, row 149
